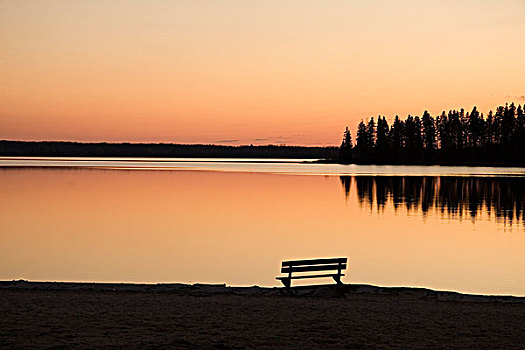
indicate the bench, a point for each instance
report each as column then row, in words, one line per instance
column 312, row 265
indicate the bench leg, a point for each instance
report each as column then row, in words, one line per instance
column 337, row 280
column 287, row 282
column 339, row 286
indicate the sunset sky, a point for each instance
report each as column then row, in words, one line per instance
column 241, row 72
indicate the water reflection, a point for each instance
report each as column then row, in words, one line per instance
column 502, row 198
column 80, row 224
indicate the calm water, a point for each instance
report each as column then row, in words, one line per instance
column 225, row 221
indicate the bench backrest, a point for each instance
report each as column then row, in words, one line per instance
column 328, row 264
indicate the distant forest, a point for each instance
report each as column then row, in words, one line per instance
column 453, row 138
column 77, row 149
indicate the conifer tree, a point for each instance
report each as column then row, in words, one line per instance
column 443, row 135
column 362, row 141
column 381, row 134
column 475, row 126
column 396, row 135
column 347, row 139
column 489, row 130
column 370, row 129
column 429, row 132
column 346, row 145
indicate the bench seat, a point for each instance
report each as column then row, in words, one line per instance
column 309, row 276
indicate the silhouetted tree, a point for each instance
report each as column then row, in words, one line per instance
column 475, row 125
column 347, row 139
column 429, row 132
column 370, row 129
column 507, row 125
column 443, row 132
column 497, row 125
column 456, row 137
column 396, row 135
column 408, row 134
column 489, row 130
column 346, row 145
column 381, row 135
column 362, row 140
column 519, row 131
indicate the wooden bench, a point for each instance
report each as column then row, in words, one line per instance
column 312, row 265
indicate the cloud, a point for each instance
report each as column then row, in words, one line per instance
column 272, row 140
column 279, row 139
column 519, row 97
column 225, row 141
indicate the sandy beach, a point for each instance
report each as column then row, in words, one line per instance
column 178, row 316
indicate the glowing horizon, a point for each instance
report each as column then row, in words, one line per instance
column 235, row 72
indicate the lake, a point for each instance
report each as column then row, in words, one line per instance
column 234, row 220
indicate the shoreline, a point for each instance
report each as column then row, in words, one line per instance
column 440, row 163
column 43, row 315
column 320, row 290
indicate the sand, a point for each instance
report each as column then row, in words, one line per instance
column 178, row 316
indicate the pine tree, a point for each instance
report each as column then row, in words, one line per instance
column 508, row 123
column 429, row 132
column 475, row 126
column 381, row 135
column 497, row 125
column 489, row 130
column 370, row 129
column 443, row 134
column 519, row 133
column 347, row 139
column 418, row 140
column 396, row 135
column 362, row 138
column 409, row 134
column 345, row 151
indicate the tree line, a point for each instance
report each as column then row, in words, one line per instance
column 103, row 149
column 456, row 137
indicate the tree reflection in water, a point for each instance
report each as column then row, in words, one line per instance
column 455, row 196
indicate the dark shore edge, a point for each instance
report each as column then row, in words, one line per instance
column 475, row 164
column 201, row 289
column 11, row 148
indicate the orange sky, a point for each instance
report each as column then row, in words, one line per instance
column 294, row 72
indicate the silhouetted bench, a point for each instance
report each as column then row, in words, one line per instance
column 312, row 265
